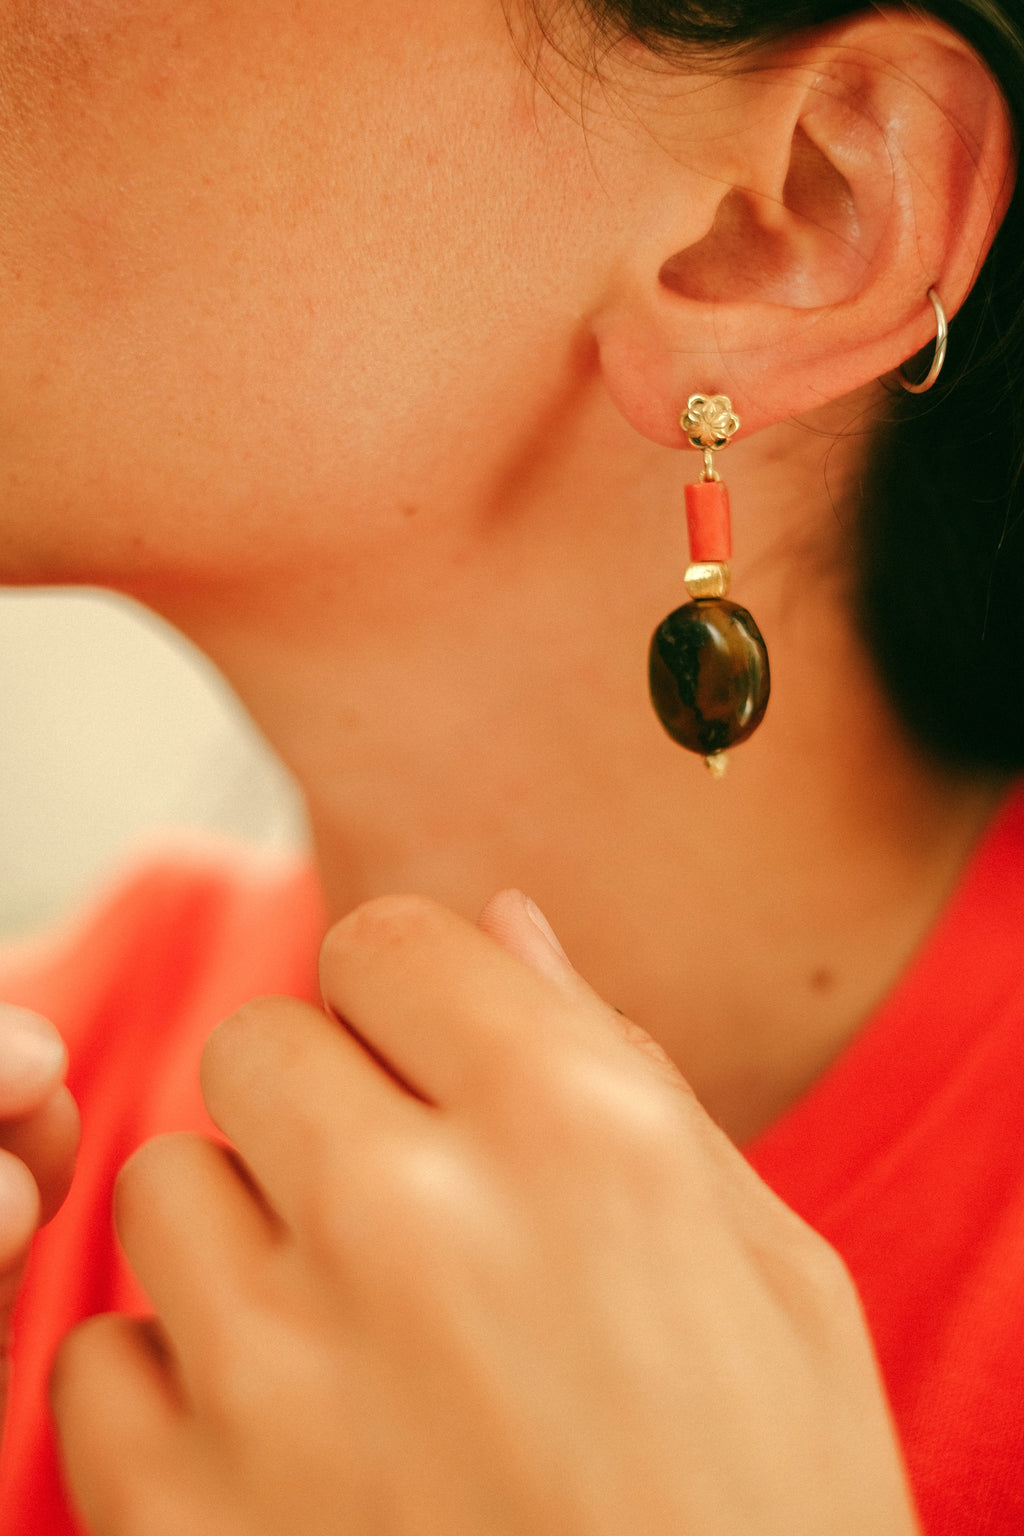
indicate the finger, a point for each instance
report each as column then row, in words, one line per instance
column 19, row 1210
column 19, row 1216
column 46, row 1142
column 298, row 1096
column 33, row 1060
column 120, row 1422
column 194, row 1229
column 520, row 927
column 446, row 1006
column 515, row 922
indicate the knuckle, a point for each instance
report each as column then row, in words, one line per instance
column 433, row 1184
column 423, row 1198
column 145, row 1506
column 829, row 1282
column 811, row 1278
column 629, row 1112
column 663, row 1065
column 230, row 1380
column 283, row 1363
column 623, row 1127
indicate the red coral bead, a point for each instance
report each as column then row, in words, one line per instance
column 707, row 518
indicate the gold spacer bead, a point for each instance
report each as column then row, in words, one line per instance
column 709, row 579
column 716, row 765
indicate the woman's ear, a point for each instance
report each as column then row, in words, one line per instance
column 859, row 168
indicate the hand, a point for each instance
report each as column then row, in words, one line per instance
column 481, row 1266
column 38, row 1140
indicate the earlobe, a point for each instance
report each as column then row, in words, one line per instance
column 877, row 165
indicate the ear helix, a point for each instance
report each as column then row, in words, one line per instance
column 708, row 665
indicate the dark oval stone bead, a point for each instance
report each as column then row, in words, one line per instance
column 709, row 675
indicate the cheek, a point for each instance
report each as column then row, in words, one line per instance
column 215, row 137
column 252, row 255
column 230, row 163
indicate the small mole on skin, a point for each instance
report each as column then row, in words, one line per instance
column 822, row 980
column 409, row 511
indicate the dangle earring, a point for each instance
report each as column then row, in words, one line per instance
column 708, row 665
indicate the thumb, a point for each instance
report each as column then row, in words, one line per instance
column 520, row 927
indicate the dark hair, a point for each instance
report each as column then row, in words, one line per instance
column 940, row 530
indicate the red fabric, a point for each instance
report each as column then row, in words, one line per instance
column 908, row 1155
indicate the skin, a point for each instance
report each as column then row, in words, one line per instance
column 357, row 349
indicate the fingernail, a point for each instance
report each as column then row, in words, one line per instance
column 28, row 1044
column 538, row 920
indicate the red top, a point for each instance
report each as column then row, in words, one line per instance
column 908, row 1155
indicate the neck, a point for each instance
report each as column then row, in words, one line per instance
column 463, row 700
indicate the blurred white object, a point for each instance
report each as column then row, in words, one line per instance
column 113, row 729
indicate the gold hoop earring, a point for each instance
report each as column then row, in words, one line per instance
column 938, row 356
column 707, row 665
